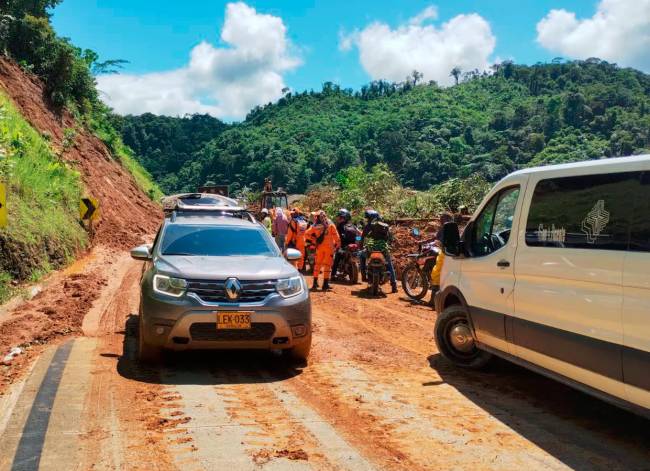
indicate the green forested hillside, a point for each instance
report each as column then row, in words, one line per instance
column 488, row 124
column 164, row 144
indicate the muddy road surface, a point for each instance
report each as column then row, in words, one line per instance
column 376, row 395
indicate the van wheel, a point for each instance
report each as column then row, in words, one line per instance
column 147, row 353
column 299, row 355
column 455, row 341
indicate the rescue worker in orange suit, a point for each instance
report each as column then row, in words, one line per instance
column 324, row 236
column 296, row 235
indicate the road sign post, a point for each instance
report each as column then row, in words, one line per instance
column 89, row 211
column 4, row 213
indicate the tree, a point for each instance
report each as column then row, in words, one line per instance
column 455, row 72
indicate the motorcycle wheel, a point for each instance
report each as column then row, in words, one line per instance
column 414, row 282
column 375, row 284
column 352, row 272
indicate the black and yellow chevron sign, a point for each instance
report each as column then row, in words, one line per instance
column 88, row 209
column 4, row 214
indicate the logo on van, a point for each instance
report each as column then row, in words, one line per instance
column 595, row 222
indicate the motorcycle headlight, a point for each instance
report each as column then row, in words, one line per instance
column 170, row 286
column 288, row 287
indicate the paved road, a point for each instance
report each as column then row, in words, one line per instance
column 375, row 396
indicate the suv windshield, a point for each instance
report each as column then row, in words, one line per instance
column 216, row 241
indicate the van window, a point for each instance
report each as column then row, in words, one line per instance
column 585, row 212
column 493, row 225
column 640, row 238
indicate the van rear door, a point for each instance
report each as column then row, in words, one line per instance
column 636, row 301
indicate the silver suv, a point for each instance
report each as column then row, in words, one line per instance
column 215, row 279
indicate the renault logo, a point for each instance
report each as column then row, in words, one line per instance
column 233, row 288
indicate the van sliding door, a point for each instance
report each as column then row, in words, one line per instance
column 569, row 272
column 636, row 300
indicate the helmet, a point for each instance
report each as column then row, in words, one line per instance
column 345, row 214
column 265, row 211
column 371, row 214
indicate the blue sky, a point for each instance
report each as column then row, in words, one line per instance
column 157, row 36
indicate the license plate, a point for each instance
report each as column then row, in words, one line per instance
column 233, row 320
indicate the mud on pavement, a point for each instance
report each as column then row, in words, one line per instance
column 376, row 395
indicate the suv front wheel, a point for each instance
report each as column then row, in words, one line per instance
column 147, row 353
column 300, row 353
column 455, row 341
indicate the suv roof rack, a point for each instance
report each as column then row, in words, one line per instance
column 197, row 201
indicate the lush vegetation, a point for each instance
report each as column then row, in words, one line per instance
column 166, row 145
column 488, row 125
column 43, row 201
column 357, row 188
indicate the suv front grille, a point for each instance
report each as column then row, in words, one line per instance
column 214, row 291
column 209, row 331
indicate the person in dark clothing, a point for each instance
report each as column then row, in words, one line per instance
column 348, row 233
column 379, row 232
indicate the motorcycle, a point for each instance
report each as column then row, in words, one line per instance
column 377, row 271
column 348, row 268
column 416, row 275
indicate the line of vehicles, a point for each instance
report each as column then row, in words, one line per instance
column 552, row 272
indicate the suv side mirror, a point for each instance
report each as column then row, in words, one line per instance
column 451, row 239
column 142, row 252
column 293, row 255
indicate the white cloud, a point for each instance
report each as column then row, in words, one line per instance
column 223, row 81
column 465, row 41
column 619, row 32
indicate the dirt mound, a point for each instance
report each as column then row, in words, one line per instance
column 126, row 212
column 404, row 243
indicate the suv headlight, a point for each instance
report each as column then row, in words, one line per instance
column 170, row 286
column 288, row 287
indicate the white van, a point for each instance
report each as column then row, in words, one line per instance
column 553, row 273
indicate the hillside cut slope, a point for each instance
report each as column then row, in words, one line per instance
column 127, row 218
column 126, row 212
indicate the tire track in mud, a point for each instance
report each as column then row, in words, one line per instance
column 242, row 417
column 432, row 432
column 122, row 409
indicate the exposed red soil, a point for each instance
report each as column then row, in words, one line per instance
column 126, row 212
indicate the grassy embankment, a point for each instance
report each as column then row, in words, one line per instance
column 42, row 199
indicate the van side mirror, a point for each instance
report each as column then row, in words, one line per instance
column 142, row 252
column 451, row 239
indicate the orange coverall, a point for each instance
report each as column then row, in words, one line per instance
column 324, row 257
column 296, row 236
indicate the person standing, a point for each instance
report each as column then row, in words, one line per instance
column 296, row 235
column 265, row 219
column 324, row 236
column 280, row 227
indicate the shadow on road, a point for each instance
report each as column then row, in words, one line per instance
column 202, row 367
column 579, row 430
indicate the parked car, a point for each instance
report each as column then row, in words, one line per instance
column 215, row 279
column 553, row 273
